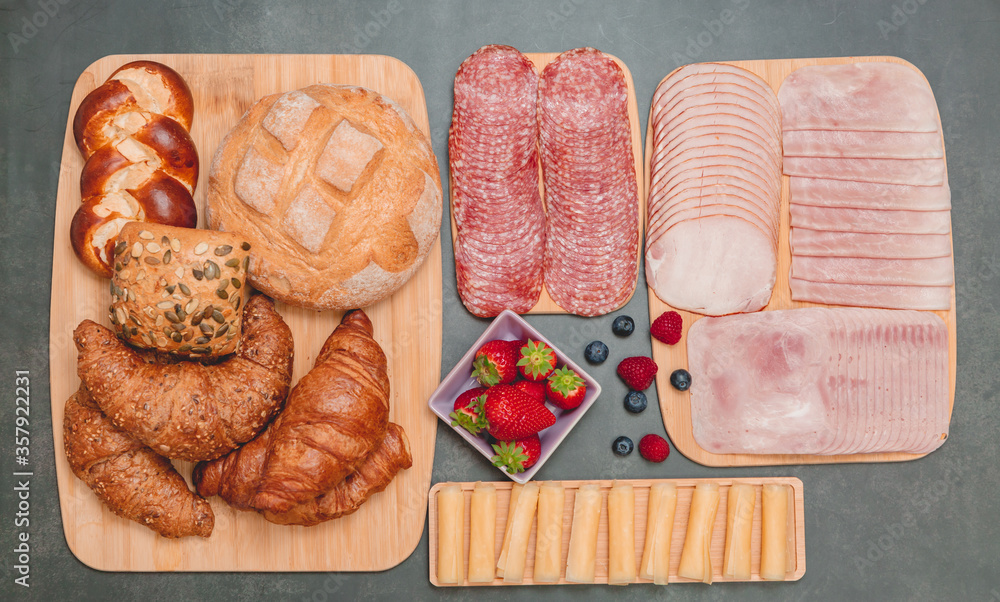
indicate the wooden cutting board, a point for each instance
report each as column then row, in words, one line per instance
column 545, row 303
column 675, row 405
column 388, row 527
column 685, row 487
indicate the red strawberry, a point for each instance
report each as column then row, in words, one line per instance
column 495, row 363
column 667, row 328
column 565, row 389
column 517, row 456
column 513, row 414
column 535, row 389
column 654, row 448
column 637, row 372
column 537, row 360
column 468, row 412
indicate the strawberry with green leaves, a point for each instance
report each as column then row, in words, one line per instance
column 537, row 360
column 565, row 389
column 496, row 362
column 512, row 414
column 469, row 413
column 517, row 456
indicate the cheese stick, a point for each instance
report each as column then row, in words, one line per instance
column 660, row 512
column 482, row 533
column 621, row 534
column 548, row 536
column 774, row 532
column 739, row 524
column 515, row 491
column 696, row 561
column 520, row 529
column 451, row 515
column 580, row 565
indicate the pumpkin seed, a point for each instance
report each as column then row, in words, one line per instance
column 200, row 248
column 196, row 319
column 178, row 327
column 223, row 285
column 167, row 257
column 237, row 302
column 151, row 260
column 216, row 270
column 201, row 349
column 201, row 340
column 236, row 283
column 218, row 317
column 164, row 305
column 246, row 263
column 184, row 288
column 222, row 330
column 223, row 250
column 120, row 247
column 176, row 337
column 245, row 246
column 222, row 294
column 137, row 249
column 233, row 263
column 206, row 328
column 189, row 335
column 118, row 266
column 126, row 259
column 184, row 348
column 170, row 289
column 181, row 314
column 198, row 274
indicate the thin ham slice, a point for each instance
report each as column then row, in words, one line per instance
column 820, row 243
column 859, row 96
column 819, row 381
column 868, row 195
column 867, row 295
column 863, row 145
column 938, row 271
column 911, row 172
column 870, row 221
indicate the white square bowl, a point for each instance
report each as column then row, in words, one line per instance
column 509, row 325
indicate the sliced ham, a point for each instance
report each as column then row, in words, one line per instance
column 911, row 172
column 938, row 271
column 865, row 295
column 871, row 221
column 820, row 243
column 863, row 145
column 868, row 195
column 858, row 96
column 819, row 381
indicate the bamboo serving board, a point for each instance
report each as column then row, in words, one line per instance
column 545, row 303
column 685, row 487
column 388, row 527
column 675, row 405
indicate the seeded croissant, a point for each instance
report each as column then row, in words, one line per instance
column 188, row 410
column 131, row 479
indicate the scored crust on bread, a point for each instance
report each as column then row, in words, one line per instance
column 337, row 191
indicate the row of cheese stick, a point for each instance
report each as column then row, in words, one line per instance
column 546, row 502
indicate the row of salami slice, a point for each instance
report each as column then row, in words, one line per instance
column 870, row 202
column 715, row 183
column 572, row 121
column 820, row 381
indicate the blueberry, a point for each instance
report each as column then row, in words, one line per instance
column 622, row 446
column 623, row 326
column 680, row 379
column 596, row 352
column 635, row 401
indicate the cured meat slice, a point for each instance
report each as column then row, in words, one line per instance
column 592, row 241
column 820, row 243
column 498, row 211
column 713, row 265
column 868, row 195
column 911, row 172
column 859, row 96
column 817, row 381
column 863, row 145
column 938, row 271
column 870, row 221
column 870, row 295
column 696, row 73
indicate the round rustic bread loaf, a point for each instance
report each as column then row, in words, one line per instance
column 335, row 188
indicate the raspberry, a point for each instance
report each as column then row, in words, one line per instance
column 637, row 372
column 654, row 448
column 667, row 328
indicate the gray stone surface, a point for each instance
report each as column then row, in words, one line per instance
column 935, row 519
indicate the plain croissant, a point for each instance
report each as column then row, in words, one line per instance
column 130, row 478
column 188, row 410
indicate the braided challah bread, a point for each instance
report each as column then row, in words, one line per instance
column 142, row 164
column 335, row 188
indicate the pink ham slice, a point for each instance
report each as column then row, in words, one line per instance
column 865, row 295
column 911, row 172
column 868, row 195
column 938, row 271
column 863, row 145
column 819, row 381
column 871, row 221
column 858, row 96
column 713, row 265
column 819, row 243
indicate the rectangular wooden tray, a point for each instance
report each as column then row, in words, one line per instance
column 685, row 488
column 675, row 406
column 388, row 527
column 545, row 303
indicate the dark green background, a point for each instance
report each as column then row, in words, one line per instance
column 937, row 516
